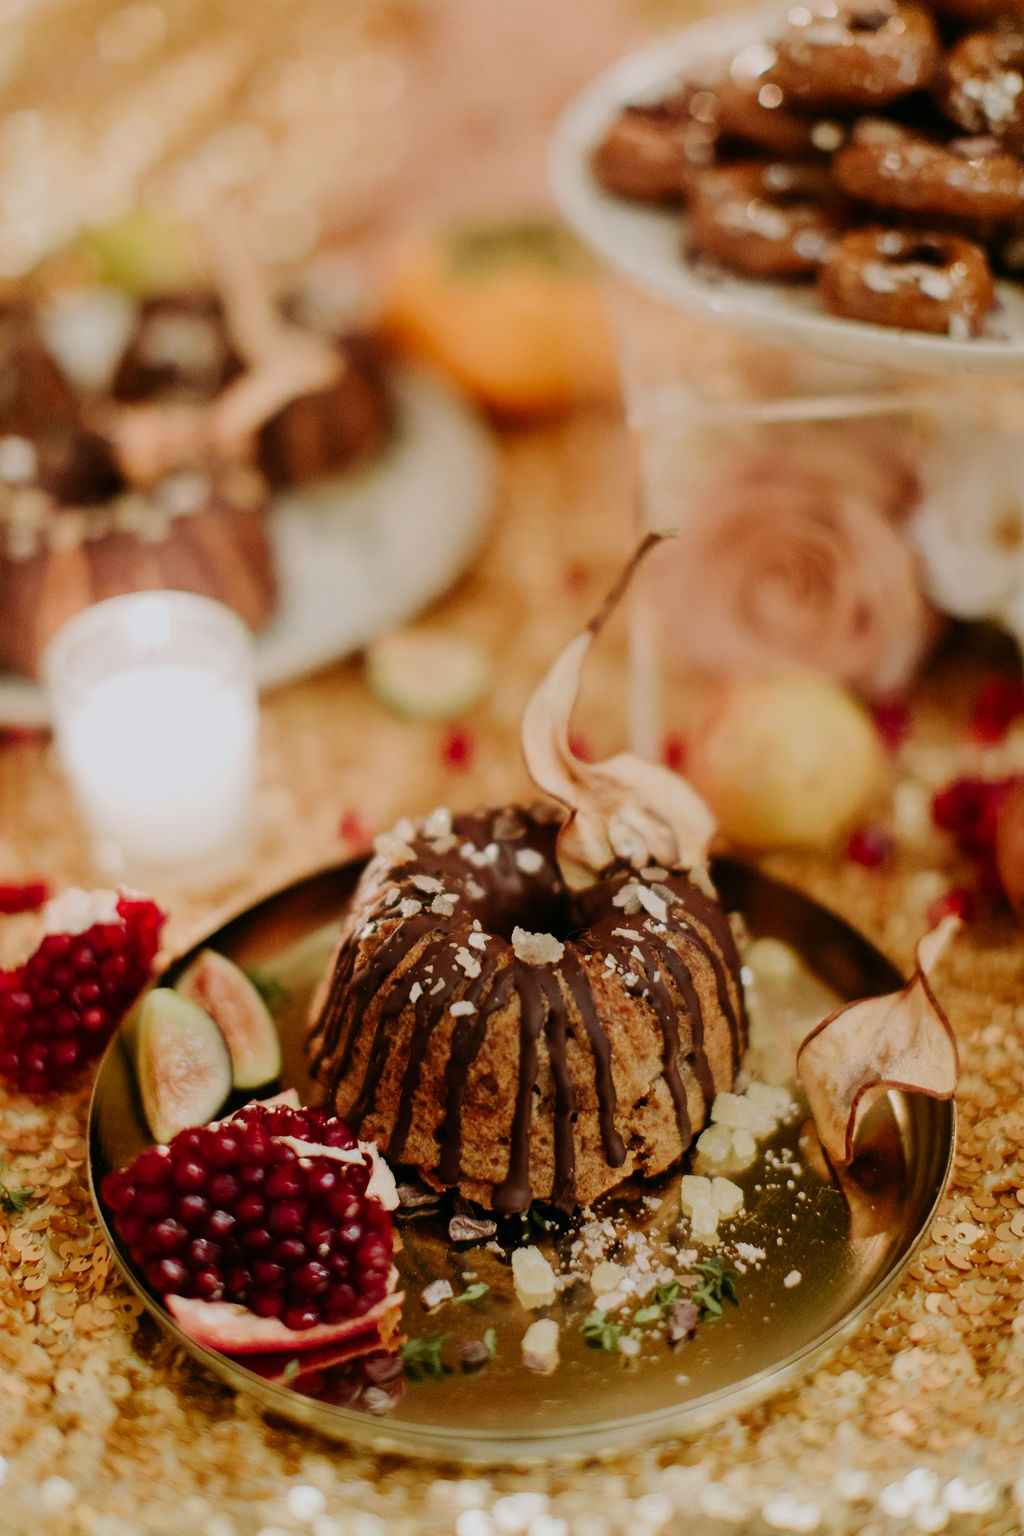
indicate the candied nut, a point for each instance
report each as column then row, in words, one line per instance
column 470, row 1229
column 536, row 948
column 473, row 1354
column 540, row 1346
column 435, row 1293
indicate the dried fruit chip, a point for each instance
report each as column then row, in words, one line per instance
column 622, row 808
column 901, row 1040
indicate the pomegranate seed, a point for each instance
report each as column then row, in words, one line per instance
column 870, row 846
column 300, row 1317
column 23, row 898
column 968, row 809
column 998, row 704
column 673, row 751
column 458, row 748
column 267, row 1304
column 893, row 722
column 168, row 1235
column 220, row 1225
column 355, row 830
column 957, row 902
column 284, row 1217
column 580, row 746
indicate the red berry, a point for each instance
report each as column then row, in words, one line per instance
column 968, row 809
column 59, row 1008
column 251, row 1250
column 957, row 902
column 870, row 846
column 579, row 746
column 356, row 831
column 673, row 751
column 458, row 748
column 893, row 722
column 998, row 704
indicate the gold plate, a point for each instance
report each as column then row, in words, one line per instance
column 828, row 1256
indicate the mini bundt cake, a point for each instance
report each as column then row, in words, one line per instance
column 75, row 530
column 182, row 351
column 532, row 1006
column 501, row 1033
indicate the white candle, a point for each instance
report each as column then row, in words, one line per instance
column 156, row 722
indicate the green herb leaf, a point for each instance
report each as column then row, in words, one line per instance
column 718, row 1285
column 13, row 1201
column 291, row 1370
column 268, row 987
column 599, row 1333
column 422, row 1357
column 491, row 1341
column 650, row 1314
column 472, row 1293
column 666, row 1295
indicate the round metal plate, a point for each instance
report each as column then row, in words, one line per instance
column 847, row 1248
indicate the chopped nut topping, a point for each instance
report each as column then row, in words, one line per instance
column 536, row 948
column 467, row 962
column 437, row 1292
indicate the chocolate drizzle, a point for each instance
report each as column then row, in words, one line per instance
column 473, row 884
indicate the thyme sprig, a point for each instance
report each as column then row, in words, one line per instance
column 12, row 1201
column 422, row 1357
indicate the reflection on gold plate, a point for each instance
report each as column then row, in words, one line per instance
column 845, row 1248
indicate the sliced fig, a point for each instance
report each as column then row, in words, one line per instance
column 182, row 1064
column 235, row 1330
column 425, row 673
column 215, row 984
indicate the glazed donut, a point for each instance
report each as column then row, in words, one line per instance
column 859, row 53
column 917, row 282
column 968, row 179
column 982, row 85
column 506, row 1036
column 653, row 152
column 752, row 107
column 766, row 218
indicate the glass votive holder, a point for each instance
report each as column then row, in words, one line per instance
column 155, row 714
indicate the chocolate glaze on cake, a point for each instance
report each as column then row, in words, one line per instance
column 516, row 1068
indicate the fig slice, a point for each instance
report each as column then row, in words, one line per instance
column 235, row 1330
column 182, row 1064
column 623, row 808
column 901, row 1040
column 218, row 986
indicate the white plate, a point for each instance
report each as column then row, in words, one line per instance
column 647, row 243
column 357, row 555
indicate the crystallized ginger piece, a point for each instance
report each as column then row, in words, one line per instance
column 534, row 1278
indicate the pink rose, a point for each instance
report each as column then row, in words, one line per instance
column 793, row 556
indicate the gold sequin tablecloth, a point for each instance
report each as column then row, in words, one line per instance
column 917, row 1424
